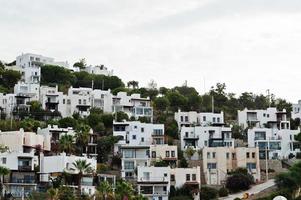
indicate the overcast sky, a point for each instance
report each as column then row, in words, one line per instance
column 251, row 45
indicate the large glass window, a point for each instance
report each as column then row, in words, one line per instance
column 129, row 165
column 211, row 165
column 260, row 136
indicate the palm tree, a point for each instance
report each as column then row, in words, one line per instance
column 3, row 172
column 124, row 190
column 82, row 137
column 105, row 191
column 53, row 193
column 83, row 167
column 66, row 144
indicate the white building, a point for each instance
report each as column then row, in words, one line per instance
column 102, row 99
column 98, row 70
column 154, row 182
column 21, row 181
column 52, row 166
column 80, row 101
column 219, row 161
column 164, row 152
column 296, row 112
column 135, row 133
column 270, row 117
column 199, row 119
column 279, row 143
column 199, row 137
column 134, row 105
column 30, row 65
column 29, row 90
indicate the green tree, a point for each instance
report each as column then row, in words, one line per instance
column 83, row 167
column 66, row 193
column 105, row 147
column 189, row 152
column 208, row 193
column 53, row 193
column 3, row 172
column 66, row 144
column 161, row 103
column 82, row 137
column 67, row 122
column 239, row 180
column 104, row 191
column 81, row 64
column 124, row 190
column 133, row 84
column 176, row 100
column 121, row 116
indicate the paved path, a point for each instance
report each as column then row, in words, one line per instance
column 254, row 190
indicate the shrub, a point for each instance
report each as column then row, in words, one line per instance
column 236, row 198
column 238, row 182
column 223, row 192
column 208, row 193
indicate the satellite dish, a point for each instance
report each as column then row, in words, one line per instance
column 280, row 198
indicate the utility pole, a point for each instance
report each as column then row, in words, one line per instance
column 266, row 164
column 269, row 96
column 212, row 104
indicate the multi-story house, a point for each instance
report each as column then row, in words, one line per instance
column 21, row 159
column 80, row 101
column 269, row 118
column 219, row 161
column 22, row 180
column 53, row 166
column 134, row 105
column 199, row 137
column 98, row 70
column 166, row 153
column 51, row 99
column 155, row 182
column 102, row 99
column 54, row 133
column 30, row 65
column 192, row 118
column 135, row 133
column 277, row 144
column 296, row 112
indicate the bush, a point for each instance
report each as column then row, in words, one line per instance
column 238, row 182
column 102, row 167
column 208, row 193
column 223, row 192
column 236, row 198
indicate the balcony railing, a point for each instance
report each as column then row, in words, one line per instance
column 25, row 168
column 153, row 179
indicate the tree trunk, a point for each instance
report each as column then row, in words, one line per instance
column 79, row 184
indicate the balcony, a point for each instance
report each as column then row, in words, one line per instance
column 153, row 180
column 191, row 137
column 25, row 168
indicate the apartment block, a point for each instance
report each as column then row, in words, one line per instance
column 269, row 118
column 199, row 137
column 219, row 161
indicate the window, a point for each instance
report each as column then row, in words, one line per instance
column 248, row 154
column 129, row 165
column 264, row 114
column 251, row 166
column 167, row 154
column 134, row 137
column 165, row 174
column 218, row 119
column 79, row 101
column 211, row 165
column 205, row 143
column 85, row 101
column 260, row 136
column 187, row 177
column 208, row 155
column 173, row 154
column 135, row 127
column 172, row 177
column 3, row 160
column 153, row 154
column 182, row 118
column 213, row 119
column 268, row 115
column 142, row 129
column 213, row 154
column 253, row 154
column 194, row 177
column 142, row 139
column 128, row 153
column 64, row 101
column 186, row 118
column 204, row 118
column 227, row 155
column 233, row 156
